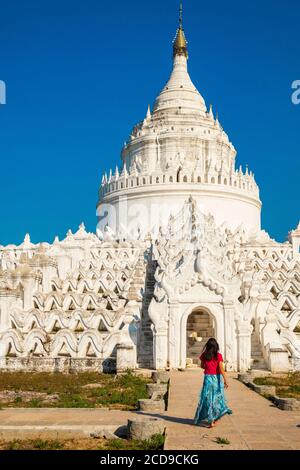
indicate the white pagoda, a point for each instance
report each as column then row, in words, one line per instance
column 178, row 257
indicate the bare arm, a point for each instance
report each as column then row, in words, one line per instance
column 224, row 374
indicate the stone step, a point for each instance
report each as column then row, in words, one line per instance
column 258, row 364
column 257, row 359
column 195, row 347
column 207, row 332
column 260, row 372
column 194, row 352
column 192, row 340
column 259, row 367
column 199, row 320
column 145, row 365
column 203, row 332
column 255, row 341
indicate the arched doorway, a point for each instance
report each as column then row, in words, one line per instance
column 200, row 327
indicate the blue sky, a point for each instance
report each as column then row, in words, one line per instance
column 79, row 75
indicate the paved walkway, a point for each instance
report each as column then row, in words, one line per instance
column 256, row 422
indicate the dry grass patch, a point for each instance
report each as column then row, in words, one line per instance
column 287, row 386
column 155, row 443
column 70, row 391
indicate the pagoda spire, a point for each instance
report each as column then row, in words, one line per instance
column 180, row 15
column 180, row 42
column 148, row 116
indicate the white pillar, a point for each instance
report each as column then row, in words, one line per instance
column 244, row 330
column 160, row 349
column 126, row 357
column 174, row 337
column 159, row 315
column 127, row 347
column 230, row 338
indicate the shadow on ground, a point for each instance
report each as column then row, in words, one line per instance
column 172, row 419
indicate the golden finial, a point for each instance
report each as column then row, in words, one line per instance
column 180, row 42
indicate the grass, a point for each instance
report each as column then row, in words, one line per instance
column 14, row 445
column 118, row 392
column 40, row 444
column 155, row 443
column 37, row 444
column 287, row 386
column 18, row 400
column 222, row 441
column 35, row 403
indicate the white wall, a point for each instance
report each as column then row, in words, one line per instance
column 150, row 207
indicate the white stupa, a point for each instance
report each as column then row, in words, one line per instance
column 179, row 150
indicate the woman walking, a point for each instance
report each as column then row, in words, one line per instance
column 212, row 403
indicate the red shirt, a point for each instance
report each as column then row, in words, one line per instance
column 212, row 367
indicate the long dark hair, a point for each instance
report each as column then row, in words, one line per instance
column 211, row 350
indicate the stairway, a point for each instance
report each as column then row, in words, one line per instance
column 257, row 359
column 145, row 346
column 199, row 330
